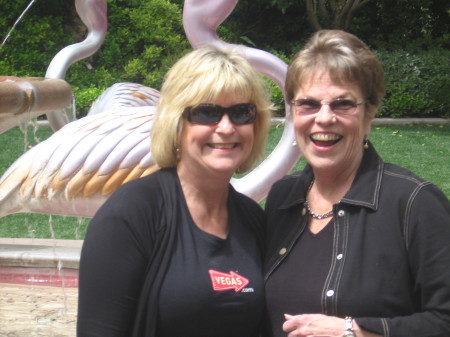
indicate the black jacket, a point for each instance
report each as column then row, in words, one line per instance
column 391, row 269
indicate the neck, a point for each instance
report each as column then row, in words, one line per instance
column 206, row 198
column 333, row 184
column 332, row 190
column 205, row 188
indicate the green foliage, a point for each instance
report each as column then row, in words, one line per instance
column 417, row 83
column 276, row 95
column 84, row 97
column 141, row 37
column 145, row 37
column 34, row 41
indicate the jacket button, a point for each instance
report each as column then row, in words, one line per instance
column 341, row 213
column 339, row 256
column 330, row 293
column 282, row 251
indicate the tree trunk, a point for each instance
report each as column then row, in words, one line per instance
column 333, row 14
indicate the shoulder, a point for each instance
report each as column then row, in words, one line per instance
column 402, row 174
column 288, row 190
column 286, row 182
column 137, row 190
column 403, row 182
column 148, row 186
column 420, row 200
column 145, row 197
column 244, row 203
column 250, row 211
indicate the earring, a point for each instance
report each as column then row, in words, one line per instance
column 294, row 143
column 177, row 153
column 365, row 144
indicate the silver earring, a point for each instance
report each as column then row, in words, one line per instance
column 366, row 144
column 177, row 153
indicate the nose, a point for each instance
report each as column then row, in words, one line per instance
column 225, row 124
column 325, row 114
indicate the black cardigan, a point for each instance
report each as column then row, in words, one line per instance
column 147, row 212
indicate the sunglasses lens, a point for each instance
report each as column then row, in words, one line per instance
column 204, row 114
column 208, row 114
column 342, row 106
column 242, row 113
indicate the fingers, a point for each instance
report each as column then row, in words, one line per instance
column 313, row 325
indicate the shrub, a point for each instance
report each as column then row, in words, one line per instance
column 417, row 84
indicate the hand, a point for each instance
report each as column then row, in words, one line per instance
column 313, row 325
column 317, row 325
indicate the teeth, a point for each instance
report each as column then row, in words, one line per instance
column 222, row 146
column 325, row 137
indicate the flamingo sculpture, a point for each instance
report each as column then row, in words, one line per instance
column 93, row 15
column 201, row 19
column 77, row 168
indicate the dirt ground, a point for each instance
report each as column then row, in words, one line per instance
column 37, row 311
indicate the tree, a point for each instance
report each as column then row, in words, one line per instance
column 336, row 14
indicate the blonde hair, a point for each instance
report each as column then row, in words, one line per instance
column 346, row 59
column 202, row 76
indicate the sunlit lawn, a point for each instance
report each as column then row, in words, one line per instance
column 424, row 149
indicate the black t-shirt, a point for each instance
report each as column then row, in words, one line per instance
column 211, row 280
column 296, row 287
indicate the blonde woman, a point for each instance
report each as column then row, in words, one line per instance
column 178, row 253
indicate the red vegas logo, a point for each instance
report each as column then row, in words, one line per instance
column 222, row 281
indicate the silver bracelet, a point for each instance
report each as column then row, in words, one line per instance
column 349, row 327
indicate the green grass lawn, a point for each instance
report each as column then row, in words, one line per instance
column 424, row 149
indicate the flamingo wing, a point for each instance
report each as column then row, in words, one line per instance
column 87, row 159
column 124, row 94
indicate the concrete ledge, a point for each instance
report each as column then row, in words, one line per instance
column 407, row 121
column 41, row 242
column 57, row 254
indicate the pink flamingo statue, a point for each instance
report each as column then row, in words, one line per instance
column 77, row 168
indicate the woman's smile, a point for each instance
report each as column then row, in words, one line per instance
column 325, row 139
column 223, row 146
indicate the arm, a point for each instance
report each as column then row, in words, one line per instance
column 427, row 241
column 112, row 268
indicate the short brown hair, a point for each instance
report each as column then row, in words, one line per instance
column 345, row 58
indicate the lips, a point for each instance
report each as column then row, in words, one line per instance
column 325, row 139
column 223, row 146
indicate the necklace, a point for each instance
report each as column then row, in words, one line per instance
column 317, row 216
column 310, row 211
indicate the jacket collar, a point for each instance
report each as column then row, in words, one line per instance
column 364, row 191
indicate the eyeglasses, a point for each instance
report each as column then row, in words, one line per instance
column 306, row 106
column 209, row 114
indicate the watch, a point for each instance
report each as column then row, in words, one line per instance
column 349, row 327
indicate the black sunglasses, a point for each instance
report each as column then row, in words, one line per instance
column 209, row 114
column 339, row 106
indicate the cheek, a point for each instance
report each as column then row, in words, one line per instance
column 249, row 134
column 300, row 125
